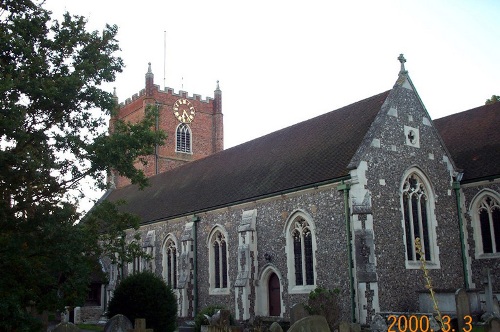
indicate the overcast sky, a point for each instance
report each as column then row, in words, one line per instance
column 281, row 62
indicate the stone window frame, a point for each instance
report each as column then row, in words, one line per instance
column 218, row 230
column 171, row 276
column 432, row 261
column 477, row 203
column 293, row 287
column 183, row 133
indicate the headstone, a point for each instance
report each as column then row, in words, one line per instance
column 310, row 324
column 463, row 307
column 78, row 315
column 378, row 324
column 344, row 327
column 275, row 327
column 140, row 326
column 492, row 325
column 66, row 327
column 65, row 315
column 488, row 291
column 434, row 325
column 355, row 327
column 297, row 312
column 118, row 323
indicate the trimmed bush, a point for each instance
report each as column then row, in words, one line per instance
column 144, row 295
column 325, row 302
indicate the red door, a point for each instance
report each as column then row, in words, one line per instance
column 274, row 295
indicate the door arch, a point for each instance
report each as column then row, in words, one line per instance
column 274, row 295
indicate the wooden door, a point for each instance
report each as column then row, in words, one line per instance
column 274, row 295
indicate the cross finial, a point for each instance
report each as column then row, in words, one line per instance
column 402, row 60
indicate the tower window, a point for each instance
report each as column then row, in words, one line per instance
column 183, row 138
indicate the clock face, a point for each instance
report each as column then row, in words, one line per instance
column 184, row 110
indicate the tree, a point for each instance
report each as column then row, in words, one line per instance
column 53, row 136
column 492, row 100
column 145, row 295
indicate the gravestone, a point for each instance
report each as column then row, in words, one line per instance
column 492, row 325
column 118, row 323
column 297, row 312
column 275, row 327
column 140, row 326
column 463, row 307
column 344, row 327
column 378, row 324
column 219, row 322
column 310, row 324
column 77, row 315
column 66, row 327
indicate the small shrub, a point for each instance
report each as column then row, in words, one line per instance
column 145, row 295
column 325, row 302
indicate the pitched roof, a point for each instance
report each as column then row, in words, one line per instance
column 307, row 153
column 473, row 139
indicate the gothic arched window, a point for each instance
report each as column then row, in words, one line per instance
column 183, row 138
column 417, row 218
column 218, row 261
column 300, row 250
column 170, row 263
column 487, row 216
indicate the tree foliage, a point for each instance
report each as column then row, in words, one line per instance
column 145, row 295
column 492, row 100
column 53, row 116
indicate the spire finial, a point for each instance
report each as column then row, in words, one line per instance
column 149, row 67
column 217, row 85
column 402, row 60
column 114, row 91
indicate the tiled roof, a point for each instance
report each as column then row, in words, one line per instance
column 473, row 139
column 307, row 153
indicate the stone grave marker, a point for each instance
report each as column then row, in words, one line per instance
column 310, row 324
column 492, row 325
column 344, row 327
column 118, row 323
column 297, row 312
column 140, row 326
column 275, row 327
column 66, row 327
column 378, row 324
column 463, row 307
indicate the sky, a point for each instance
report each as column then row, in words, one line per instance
column 282, row 62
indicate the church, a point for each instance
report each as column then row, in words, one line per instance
column 336, row 201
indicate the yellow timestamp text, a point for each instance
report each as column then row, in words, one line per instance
column 414, row 323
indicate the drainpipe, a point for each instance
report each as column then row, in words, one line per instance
column 195, row 264
column 345, row 188
column 456, row 188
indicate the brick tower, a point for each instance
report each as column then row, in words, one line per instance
column 194, row 126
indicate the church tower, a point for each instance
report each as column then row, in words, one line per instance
column 194, row 126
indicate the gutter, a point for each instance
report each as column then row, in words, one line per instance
column 345, row 188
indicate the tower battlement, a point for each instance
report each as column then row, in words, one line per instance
column 168, row 91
